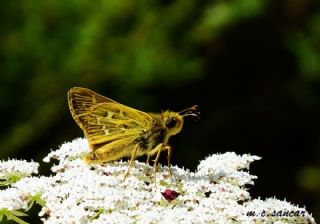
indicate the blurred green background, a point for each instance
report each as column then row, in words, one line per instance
column 253, row 67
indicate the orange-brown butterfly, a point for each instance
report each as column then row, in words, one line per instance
column 114, row 130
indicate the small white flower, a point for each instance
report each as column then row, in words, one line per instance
column 12, row 199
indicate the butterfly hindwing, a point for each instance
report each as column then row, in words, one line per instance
column 114, row 150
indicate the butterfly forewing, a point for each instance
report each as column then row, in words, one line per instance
column 81, row 100
column 108, row 122
column 105, row 121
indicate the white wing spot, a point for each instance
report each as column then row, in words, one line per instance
column 110, row 115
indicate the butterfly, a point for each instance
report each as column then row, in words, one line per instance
column 114, row 130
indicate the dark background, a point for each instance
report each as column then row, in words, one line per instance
column 253, row 67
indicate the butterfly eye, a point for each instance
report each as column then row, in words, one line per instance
column 171, row 122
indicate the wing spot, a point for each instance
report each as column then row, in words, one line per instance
column 123, row 113
column 110, row 115
column 105, row 113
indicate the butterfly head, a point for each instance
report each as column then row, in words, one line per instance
column 173, row 121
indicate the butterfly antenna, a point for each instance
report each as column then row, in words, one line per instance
column 191, row 111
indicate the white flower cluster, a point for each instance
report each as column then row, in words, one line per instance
column 10, row 172
column 19, row 168
column 215, row 193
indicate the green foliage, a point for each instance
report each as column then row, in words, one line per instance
column 12, row 178
column 221, row 15
column 6, row 214
column 12, row 215
column 306, row 46
column 35, row 199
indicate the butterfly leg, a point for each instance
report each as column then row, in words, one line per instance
column 133, row 156
column 155, row 165
column 148, row 158
column 169, row 148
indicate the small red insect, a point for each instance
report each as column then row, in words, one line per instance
column 170, row 195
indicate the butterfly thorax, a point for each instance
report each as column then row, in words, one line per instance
column 153, row 137
column 163, row 127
